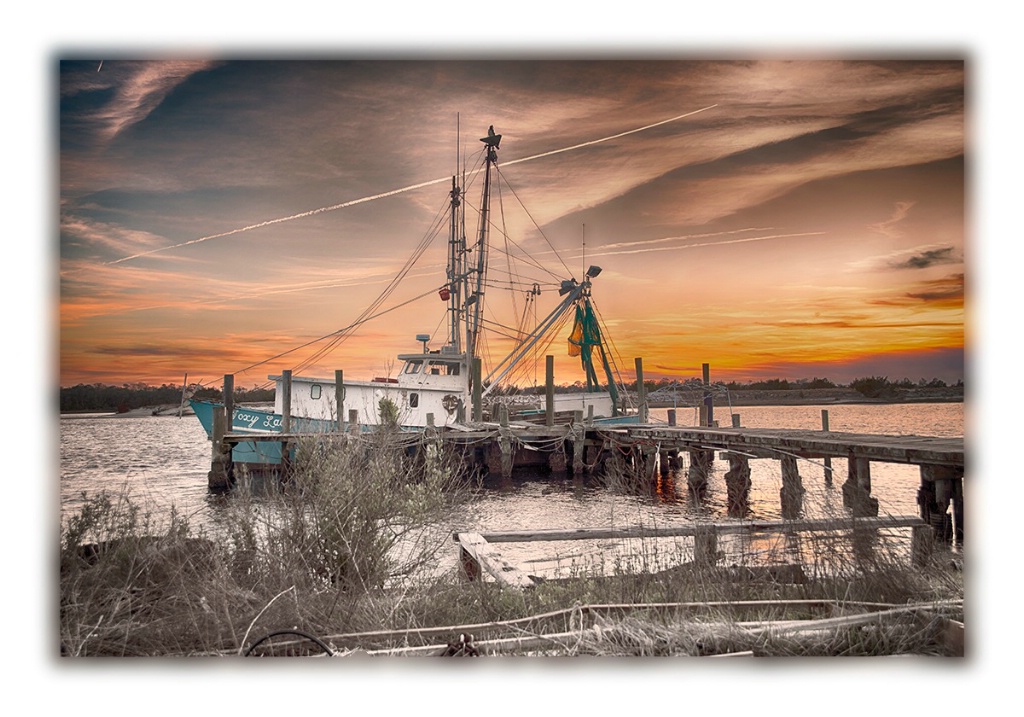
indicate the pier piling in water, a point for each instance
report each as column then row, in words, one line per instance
column 792, row 493
column 737, row 484
column 940, row 487
column 828, row 459
column 857, row 488
column 648, row 451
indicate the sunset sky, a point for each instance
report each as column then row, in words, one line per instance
column 773, row 218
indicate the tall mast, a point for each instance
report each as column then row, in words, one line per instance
column 456, row 252
column 476, row 300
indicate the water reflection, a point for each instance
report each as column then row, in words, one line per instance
column 164, row 461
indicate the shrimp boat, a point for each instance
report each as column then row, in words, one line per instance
column 444, row 386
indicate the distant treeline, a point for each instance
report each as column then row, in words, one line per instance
column 121, row 399
column 124, row 398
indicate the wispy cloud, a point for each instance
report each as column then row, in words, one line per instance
column 142, row 91
column 890, row 227
column 931, row 257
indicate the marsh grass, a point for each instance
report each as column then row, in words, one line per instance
column 348, row 553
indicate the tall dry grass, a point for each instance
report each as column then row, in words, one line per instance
column 345, row 556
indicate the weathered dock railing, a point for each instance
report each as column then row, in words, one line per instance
column 478, row 556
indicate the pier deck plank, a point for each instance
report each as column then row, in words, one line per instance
column 757, row 442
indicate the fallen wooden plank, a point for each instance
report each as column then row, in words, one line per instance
column 475, row 550
column 742, row 526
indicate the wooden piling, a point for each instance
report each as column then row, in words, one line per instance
column 641, row 390
column 792, row 492
column 671, row 416
column 958, row 509
column 478, row 411
column 353, row 421
column 941, row 485
column 219, row 477
column 857, row 488
column 709, row 400
column 701, row 461
column 549, row 390
column 339, row 398
column 286, row 401
column 578, row 436
column 705, row 545
column 504, row 441
column 828, row 459
column 229, row 399
column 737, row 484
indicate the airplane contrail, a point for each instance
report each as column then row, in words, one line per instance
column 606, row 139
column 393, row 192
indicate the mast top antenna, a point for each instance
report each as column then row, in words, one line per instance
column 491, row 140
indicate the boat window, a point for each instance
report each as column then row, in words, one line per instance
column 448, row 369
column 315, row 391
column 414, row 400
column 413, row 366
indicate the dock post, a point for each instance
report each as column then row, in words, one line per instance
column 857, row 488
column 286, row 401
column 828, row 459
column 792, row 493
column 701, row 461
column 549, row 390
column 737, row 484
column 709, row 400
column 705, row 546
column 641, row 390
column 735, row 420
column 504, row 441
column 229, row 399
column 939, row 486
column 958, row 509
column 286, row 415
column 339, row 398
column 579, row 441
column 219, row 477
column 478, row 410
column 649, row 459
column 672, row 417
column 353, row 421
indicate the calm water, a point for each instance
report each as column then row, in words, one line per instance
column 163, row 461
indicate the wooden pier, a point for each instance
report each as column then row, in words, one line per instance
column 578, row 444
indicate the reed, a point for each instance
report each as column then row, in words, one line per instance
column 345, row 557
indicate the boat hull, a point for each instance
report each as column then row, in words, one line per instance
column 258, row 422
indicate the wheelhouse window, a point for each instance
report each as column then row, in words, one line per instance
column 315, row 391
column 413, row 367
column 444, row 368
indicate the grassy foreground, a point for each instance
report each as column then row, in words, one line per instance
column 343, row 561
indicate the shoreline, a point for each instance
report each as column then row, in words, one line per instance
column 792, row 397
column 814, row 397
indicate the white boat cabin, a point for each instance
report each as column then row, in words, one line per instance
column 428, row 383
